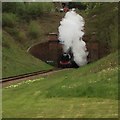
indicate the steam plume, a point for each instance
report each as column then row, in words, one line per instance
column 70, row 34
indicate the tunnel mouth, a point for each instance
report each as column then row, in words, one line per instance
column 51, row 51
column 51, row 54
column 41, row 51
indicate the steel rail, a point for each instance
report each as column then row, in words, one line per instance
column 13, row 78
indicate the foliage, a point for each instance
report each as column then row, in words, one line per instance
column 92, row 5
column 13, row 32
column 9, row 7
column 48, row 7
column 79, row 5
column 27, row 10
column 34, row 9
column 9, row 19
column 22, row 36
column 34, row 29
column 102, row 19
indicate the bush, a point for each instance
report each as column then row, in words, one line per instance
column 9, row 7
column 16, row 34
column 9, row 19
column 27, row 10
column 20, row 9
column 103, row 20
column 113, row 33
column 37, row 9
column 13, row 32
column 21, row 36
column 34, row 9
column 34, row 29
column 47, row 7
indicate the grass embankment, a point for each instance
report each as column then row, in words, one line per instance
column 88, row 92
column 16, row 60
column 18, row 38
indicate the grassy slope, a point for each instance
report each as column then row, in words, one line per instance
column 16, row 60
column 88, row 92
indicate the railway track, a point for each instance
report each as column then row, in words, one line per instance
column 14, row 78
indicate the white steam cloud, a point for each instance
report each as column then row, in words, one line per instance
column 70, row 34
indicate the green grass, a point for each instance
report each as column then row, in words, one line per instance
column 62, row 108
column 16, row 60
column 88, row 92
column 89, row 80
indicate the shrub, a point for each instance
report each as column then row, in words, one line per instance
column 47, row 7
column 103, row 20
column 21, row 36
column 37, row 9
column 20, row 9
column 16, row 33
column 12, row 31
column 113, row 33
column 9, row 7
column 9, row 19
column 34, row 29
column 27, row 10
column 34, row 9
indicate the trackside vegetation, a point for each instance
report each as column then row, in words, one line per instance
column 16, row 60
column 87, row 92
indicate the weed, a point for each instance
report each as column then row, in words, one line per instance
column 9, row 19
column 21, row 36
column 34, row 29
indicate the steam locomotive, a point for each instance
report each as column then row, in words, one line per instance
column 66, row 61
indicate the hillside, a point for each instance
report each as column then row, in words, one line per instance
column 33, row 31
column 16, row 60
column 17, row 40
column 25, row 27
column 102, row 21
column 87, row 92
